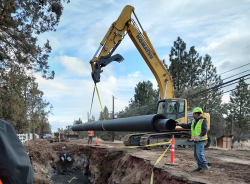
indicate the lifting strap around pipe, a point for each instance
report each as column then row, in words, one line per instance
column 100, row 105
column 91, row 102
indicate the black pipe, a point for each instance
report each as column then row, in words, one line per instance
column 148, row 123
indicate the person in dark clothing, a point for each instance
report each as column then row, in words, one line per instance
column 199, row 136
column 15, row 166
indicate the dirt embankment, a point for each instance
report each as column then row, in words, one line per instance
column 126, row 166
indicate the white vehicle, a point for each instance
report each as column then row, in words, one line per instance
column 47, row 136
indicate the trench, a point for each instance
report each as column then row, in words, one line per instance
column 78, row 162
column 97, row 165
column 70, row 170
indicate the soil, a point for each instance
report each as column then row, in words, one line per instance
column 105, row 164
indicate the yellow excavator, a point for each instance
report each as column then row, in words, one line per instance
column 168, row 105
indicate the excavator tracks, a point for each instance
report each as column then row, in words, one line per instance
column 182, row 139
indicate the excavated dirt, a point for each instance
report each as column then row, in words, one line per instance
column 77, row 162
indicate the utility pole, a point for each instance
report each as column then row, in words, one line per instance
column 113, row 133
column 231, row 129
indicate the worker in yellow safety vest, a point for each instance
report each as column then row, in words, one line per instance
column 90, row 135
column 199, row 136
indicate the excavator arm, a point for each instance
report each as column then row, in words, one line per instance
column 126, row 25
column 110, row 42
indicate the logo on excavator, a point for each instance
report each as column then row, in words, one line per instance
column 144, row 46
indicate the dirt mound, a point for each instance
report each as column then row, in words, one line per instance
column 42, row 155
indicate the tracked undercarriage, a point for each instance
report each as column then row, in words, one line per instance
column 182, row 139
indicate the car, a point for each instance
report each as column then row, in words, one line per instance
column 47, row 136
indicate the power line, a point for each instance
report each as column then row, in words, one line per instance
column 234, row 68
column 232, row 83
column 233, row 53
column 229, row 77
column 231, row 90
column 213, row 84
column 215, row 87
column 235, row 75
column 222, row 26
column 226, row 85
column 223, row 87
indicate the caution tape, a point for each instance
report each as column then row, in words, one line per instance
column 105, row 145
column 155, row 144
column 158, row 160
column 127, row 146
column 160, row 143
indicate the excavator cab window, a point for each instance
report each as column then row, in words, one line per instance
column 172, row 109
column 161, row 107
column 181, row 109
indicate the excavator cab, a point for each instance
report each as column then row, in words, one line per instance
column 172, row 108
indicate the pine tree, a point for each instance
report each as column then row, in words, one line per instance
column 20, row 20
column 209, row 78
column 76, row 122
column 164, row 64
column 193, row 68
column 22, row 103
column 239, row 109
column 145, row 94
column 177, row 68
column 144, row 102
column 105, row 114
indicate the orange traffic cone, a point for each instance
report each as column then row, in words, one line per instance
column 69, row 139
column 172, row 152
column 96, row 141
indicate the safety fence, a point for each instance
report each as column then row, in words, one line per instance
column 25, row 137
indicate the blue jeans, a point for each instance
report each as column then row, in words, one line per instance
column 199, row 154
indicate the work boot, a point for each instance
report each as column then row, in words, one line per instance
column 204, row 169
column 196, row 170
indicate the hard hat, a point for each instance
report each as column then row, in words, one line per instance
column 197, row 109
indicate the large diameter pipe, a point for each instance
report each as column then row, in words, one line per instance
column 148, row 123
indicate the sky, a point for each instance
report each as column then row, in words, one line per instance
column 218, row 28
